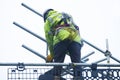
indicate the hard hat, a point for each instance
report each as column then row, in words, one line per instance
column 46, row 13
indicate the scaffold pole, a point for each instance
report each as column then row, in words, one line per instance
column 59, row 64
column 104, row 52
column 20, row 26
column 31, row 9
column 36, row 53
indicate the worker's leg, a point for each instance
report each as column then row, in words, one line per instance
column 59, row 55
column 75, row 54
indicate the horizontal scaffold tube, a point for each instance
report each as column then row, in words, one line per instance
column 36, row 53
column 20, row 26
column 59, row 64
column 31, row 9
column 104, row 52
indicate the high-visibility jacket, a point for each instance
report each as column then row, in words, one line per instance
column 55, row 35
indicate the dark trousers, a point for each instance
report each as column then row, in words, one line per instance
column 60, row 51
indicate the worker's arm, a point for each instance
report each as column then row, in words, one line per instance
column 49, row 37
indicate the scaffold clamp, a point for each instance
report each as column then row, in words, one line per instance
column 20, row 67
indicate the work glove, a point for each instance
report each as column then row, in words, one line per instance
column 49, row 58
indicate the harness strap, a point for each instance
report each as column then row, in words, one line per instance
column 64, row 25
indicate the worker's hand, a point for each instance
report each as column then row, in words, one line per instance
column 49, row 58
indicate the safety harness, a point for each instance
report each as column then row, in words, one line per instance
column 62, row 27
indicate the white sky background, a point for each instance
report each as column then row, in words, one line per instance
column 98, row 20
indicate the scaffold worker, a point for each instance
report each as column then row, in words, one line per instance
column 63, row 37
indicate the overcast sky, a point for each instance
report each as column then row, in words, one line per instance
column 98, row 20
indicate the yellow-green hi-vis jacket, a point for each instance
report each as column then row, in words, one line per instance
column 55, row 35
